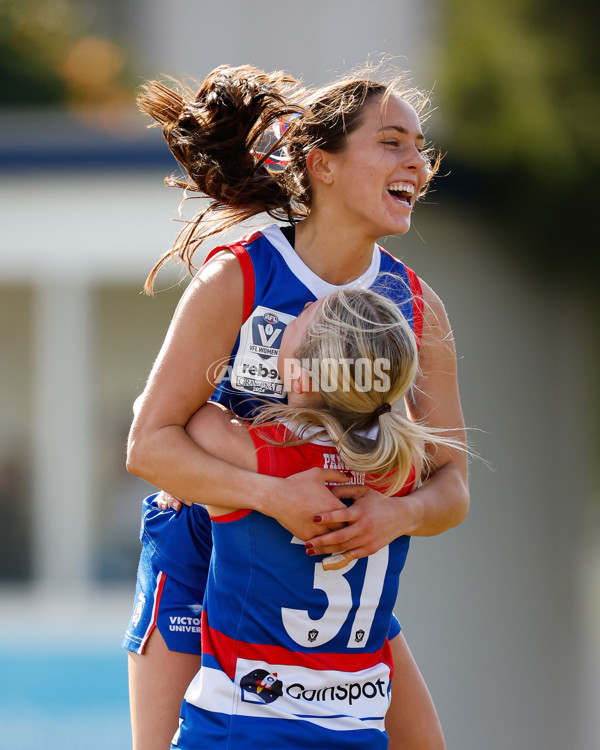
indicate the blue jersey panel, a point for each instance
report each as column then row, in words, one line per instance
column 282, row 285
column 302, row 607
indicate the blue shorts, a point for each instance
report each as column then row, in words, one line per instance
column 167, row 604
column 171, row 578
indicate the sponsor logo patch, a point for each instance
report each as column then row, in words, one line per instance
column 139, row 608
column 262, row 684
column 254, row 368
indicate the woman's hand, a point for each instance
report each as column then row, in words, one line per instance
column 364, row 527
column 374, row 520
column 165, row 501
column 304, row 496
column 295, row 502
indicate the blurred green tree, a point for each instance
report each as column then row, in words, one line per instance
column 51, row 55
column 33, row 35
column 519, row 89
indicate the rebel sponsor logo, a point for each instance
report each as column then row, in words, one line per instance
column 259, row 371
column 263, row 684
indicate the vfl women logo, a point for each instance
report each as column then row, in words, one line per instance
column 267, row 331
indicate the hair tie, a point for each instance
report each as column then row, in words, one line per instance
column 382, row 409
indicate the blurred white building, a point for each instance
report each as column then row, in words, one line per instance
column 495, row 611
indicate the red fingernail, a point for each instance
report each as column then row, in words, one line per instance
column 317, row 519
column 309, row 545
column 310, row 552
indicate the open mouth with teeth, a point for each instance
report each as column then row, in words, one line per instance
column 402, row 192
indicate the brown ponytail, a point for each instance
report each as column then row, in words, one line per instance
column 213, row 134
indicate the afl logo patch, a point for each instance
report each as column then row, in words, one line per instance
column 267, row 331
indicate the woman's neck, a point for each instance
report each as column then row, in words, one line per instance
column 337, row 254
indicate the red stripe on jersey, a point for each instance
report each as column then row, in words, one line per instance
column 233, row 516
column 162, row 578
column 265, row 458
column 417, row 304
column 240, row 252
column 221, row 647
column 277, row 460
column 227, row 651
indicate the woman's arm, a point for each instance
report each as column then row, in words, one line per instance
column 442, row 501
column 218, row 432
column 214, row 429
column 202, row 333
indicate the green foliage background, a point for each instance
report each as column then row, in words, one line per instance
column 34, row 35
column 36, row 40
column 519, row 92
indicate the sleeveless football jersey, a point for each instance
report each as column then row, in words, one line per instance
column 293, row 655
column 277, row 285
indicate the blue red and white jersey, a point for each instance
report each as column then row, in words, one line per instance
column 277, row 286
column 293, row 655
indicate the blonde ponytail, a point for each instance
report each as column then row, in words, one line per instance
column 364, row 423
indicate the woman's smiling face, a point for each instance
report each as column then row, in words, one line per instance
column 377, row 178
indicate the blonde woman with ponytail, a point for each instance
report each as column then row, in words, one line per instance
column 359, row 357
column 270, row 668
column 341, row 166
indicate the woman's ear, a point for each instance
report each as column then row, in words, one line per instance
column 302, row 383
column 317, row 163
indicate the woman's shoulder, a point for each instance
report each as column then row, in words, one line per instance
column 434, row 312
column 251, row 253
